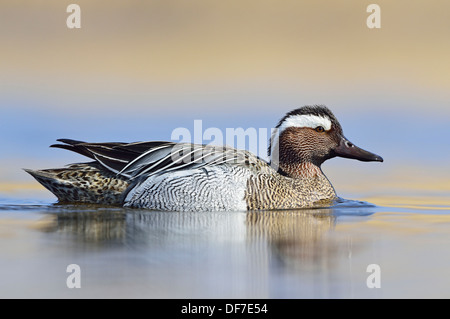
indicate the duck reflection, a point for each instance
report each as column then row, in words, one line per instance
column 292, row 236
column 295, row 237
column 89, row 223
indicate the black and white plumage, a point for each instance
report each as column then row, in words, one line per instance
column 189, row 177
column 135, row 160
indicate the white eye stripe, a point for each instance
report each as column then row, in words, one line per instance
column 311, row 121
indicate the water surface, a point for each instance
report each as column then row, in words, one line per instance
column 309, row 253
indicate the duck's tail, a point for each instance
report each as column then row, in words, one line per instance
column 85, row 183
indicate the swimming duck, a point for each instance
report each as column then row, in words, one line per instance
column 191, row 177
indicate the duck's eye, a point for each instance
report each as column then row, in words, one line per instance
column 320, row 129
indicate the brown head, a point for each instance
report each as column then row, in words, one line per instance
column 306, row 137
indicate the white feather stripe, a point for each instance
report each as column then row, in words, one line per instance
column 158, row 161
column 305, row 120
column 106, row 166
column 96, row 154
column 203, row 156
column 140, row 157
column 177, row 161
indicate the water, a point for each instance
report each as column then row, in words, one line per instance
column 311, row 253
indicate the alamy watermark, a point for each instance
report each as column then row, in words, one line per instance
column 73, row 21
column 373, row 21
column 374, row 279
column 213, row 145
column 74, row 279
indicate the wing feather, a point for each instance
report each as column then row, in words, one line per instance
column 143, row 159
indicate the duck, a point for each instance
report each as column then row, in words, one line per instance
column 171, row 176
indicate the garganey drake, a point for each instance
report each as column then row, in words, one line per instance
column 191, row 177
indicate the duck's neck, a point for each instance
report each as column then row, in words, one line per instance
column 301, row 170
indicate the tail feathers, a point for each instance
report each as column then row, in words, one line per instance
column 86, row 185
column 63, row 190
column 73, row 145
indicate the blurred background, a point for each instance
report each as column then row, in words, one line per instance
column 136, row 70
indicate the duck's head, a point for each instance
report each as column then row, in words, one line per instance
column 312, row 134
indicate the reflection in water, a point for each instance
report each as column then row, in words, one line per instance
column 88, row 223
column 290, row 237
column 93, row 227
column 312, row 253
column 295, row 236
column 264, row 254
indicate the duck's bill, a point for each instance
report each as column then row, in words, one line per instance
column 349, row 150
